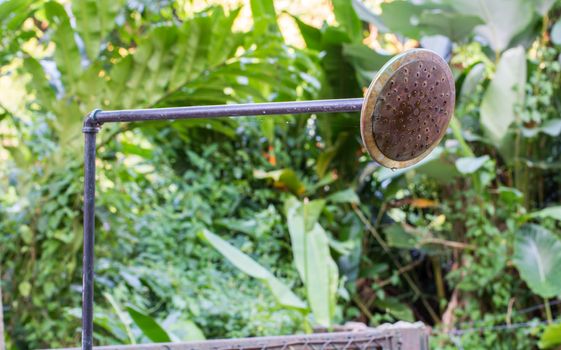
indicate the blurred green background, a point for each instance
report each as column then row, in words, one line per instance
column 265, row 226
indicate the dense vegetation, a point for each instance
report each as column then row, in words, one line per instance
column 194, row 218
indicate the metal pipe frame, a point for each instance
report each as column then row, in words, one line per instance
column 97, row 118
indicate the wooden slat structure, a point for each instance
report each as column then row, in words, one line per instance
column 401, row 336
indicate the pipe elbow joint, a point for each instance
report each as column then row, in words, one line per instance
column 91, row 124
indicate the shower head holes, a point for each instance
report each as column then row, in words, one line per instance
column 401, row 114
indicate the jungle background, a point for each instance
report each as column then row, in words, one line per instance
column 267, row 226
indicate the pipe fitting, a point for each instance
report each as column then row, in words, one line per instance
column 91, row 124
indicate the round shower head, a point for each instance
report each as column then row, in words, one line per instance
column 407, row 108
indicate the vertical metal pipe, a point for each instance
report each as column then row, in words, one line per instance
column 90, row 130
column 2, row 343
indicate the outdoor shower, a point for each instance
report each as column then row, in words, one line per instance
column 404, row 115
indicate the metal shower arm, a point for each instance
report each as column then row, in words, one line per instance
column 99, row 117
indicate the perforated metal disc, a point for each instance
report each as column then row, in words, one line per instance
column 407, row 108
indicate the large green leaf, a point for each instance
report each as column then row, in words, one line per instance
column 310, row 34
column 247, row 265
column 455, row 26
column 180, row 329
column 556, row 33
column 551, row 336
column 348, row 19
column 553, row 212
column 436, row 165
column 345, row 196
column 543, row 6
column 13, row 14
column 168, row 57
column 264, row 18
column 469, row 165
column 283, row 178
column 94, row 20
column 365, row 14
column 396, row 308
column 67, row 55
column 40, row 84
column 505, row 91
column 186, row 66
column 397, row 236
column 473, row 77
column 418, row 19
column 149, row 326
column 124, row 321
column 310, row 247
column 402, row 17
column 537, row 255
column 504, row 19
column 249, row 78
column 302, row 218
column 365, row 61
column 321, row 275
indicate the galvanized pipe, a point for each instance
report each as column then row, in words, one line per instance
column 231, row 110
column 90, row 132
column 97, row 118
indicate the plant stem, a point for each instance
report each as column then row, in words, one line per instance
column 446, row 243
column 465, row 150
column 383, row 244
column 402, row 270
column 438, row 278
column 527, row 169
column 457, row 131
column 363, row 308
column 307, row 326
column 116, row 131
column 548, row 311
column 545, row 25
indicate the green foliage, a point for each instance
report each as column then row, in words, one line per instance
column 94, row 21
column 551, row 212
column 13, row 13
column 537, row 256
column 167, row 64
column 67, row 56
column 502, row 95
column 282, row 293
column 556, row 33
column 503, row 19
column 551, row 336
column 310, row 248
column 417, row 19
column 148, row 326
column 348, row 19
column 456, row 241
column 265, row 18
column 469, row 165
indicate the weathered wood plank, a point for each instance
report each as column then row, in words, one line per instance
column 403, row 337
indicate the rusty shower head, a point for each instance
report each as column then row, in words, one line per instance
column 407, row 108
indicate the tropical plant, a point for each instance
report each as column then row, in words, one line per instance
column 135, row 65
column 464, row 240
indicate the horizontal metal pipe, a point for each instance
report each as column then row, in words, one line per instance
column 229, row 110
